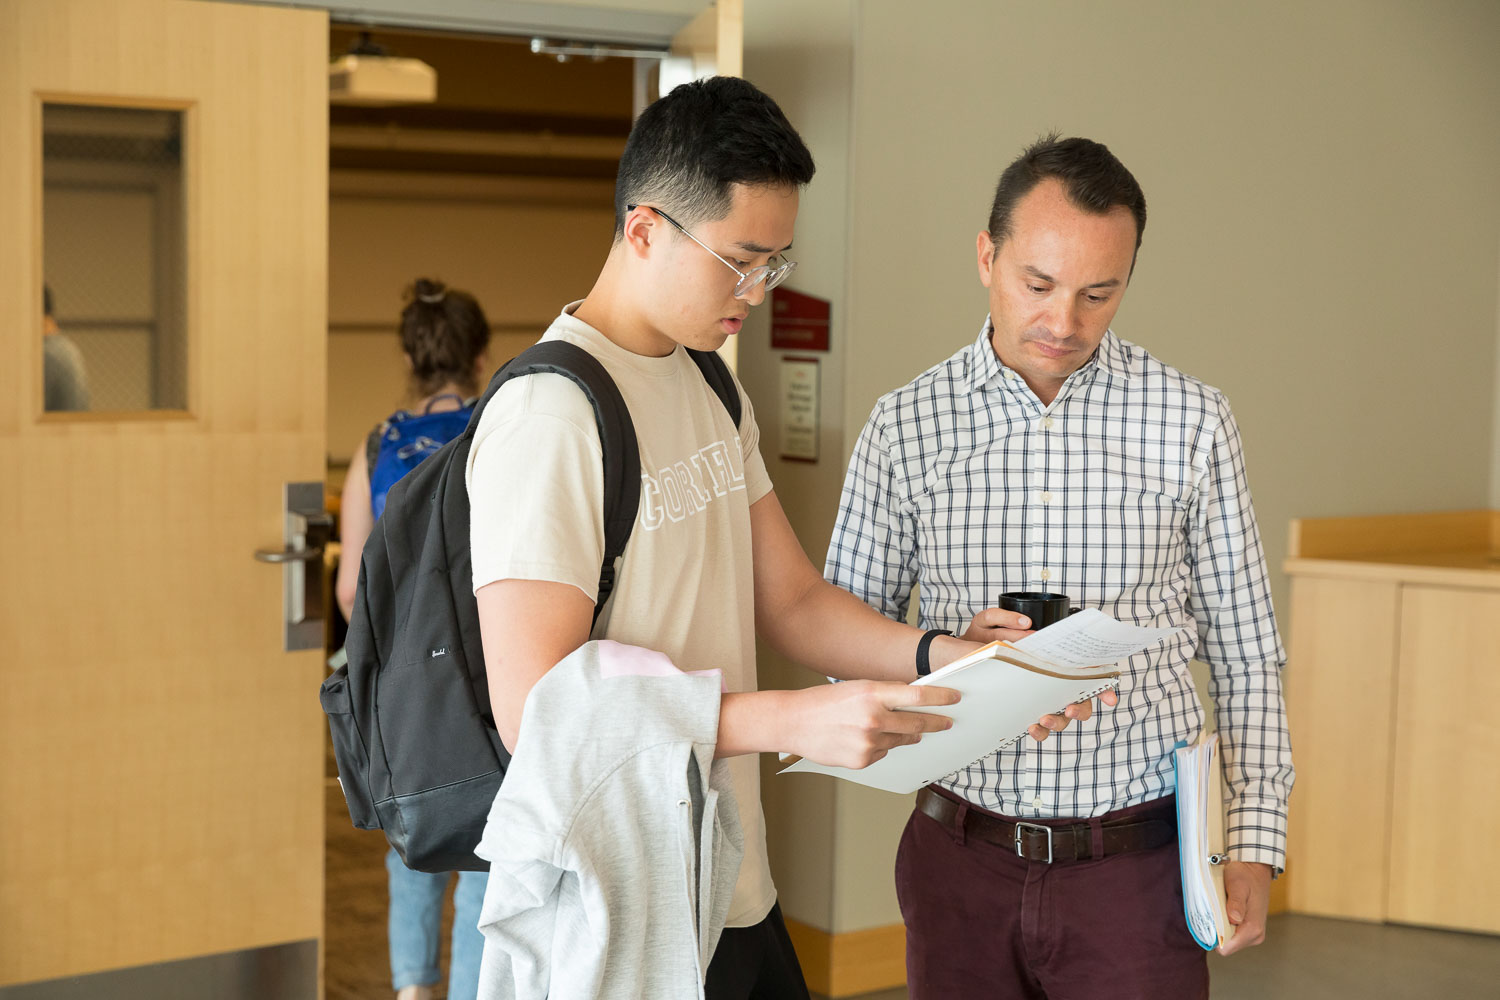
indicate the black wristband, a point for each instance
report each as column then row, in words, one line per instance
column 923, row 646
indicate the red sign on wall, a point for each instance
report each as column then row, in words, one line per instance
column 798, row 322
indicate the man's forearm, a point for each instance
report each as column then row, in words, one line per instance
column 847, row 725
column 836, row 633
column 822, row 626
column 752, row 722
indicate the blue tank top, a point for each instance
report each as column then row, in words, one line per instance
column 405, row 440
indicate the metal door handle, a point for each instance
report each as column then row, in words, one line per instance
column 307, row 529
column 288, row 555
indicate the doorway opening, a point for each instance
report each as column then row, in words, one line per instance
column 502, row 187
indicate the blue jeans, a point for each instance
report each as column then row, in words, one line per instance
column 416, row 918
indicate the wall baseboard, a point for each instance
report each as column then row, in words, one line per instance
column 858, row 962
column 285, row 971
column 848, row 964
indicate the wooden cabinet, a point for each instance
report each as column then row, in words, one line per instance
column 1340, row 687
column 1445, row 793
column 1393, row 695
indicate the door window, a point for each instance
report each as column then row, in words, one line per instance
column 113, row 235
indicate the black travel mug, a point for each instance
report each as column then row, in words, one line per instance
column 1043, row 609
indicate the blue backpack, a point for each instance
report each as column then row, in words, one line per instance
column 400, row 444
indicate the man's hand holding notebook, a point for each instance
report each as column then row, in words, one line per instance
column 1005, row 688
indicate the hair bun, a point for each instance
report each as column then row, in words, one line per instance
column 431, row 292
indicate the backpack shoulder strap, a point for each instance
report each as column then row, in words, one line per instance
column 622, row 456
column 716, row 374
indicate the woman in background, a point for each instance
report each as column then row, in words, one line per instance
column 444, row 335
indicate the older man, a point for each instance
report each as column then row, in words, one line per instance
column 1051, row 455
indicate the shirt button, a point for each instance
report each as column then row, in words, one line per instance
column 1047, row 423
column 1046, row 575
column 1036, row 803
column 1046, row 497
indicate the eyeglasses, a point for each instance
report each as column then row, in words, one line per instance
column 772, row 276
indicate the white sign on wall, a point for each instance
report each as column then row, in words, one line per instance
column 799, row 409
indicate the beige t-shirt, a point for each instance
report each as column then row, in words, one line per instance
column 686, row 583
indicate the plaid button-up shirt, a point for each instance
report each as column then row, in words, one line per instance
column 1127, row 493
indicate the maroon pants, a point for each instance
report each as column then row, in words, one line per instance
column 983, row 923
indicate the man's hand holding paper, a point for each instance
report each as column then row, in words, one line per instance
column 856, row 723
column 1005, row 686
column 1001, row 625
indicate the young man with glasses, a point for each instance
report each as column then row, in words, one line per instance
column 705, row 206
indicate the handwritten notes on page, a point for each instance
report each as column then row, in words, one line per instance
column 1090, row 638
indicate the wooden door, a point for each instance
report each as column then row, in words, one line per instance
column 160, row 752
column 1444, row 812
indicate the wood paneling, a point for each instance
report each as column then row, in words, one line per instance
column 523, row 248
column 851, row 963
column 1393, row 667
column 1445, row 816
column 1339, row 683
column 1346, row 538
column 160, row 756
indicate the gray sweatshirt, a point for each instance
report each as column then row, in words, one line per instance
column 614, row 843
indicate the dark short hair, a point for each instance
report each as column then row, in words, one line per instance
column 47, row 300
column 1096, row 181
column 689, row 147
column 443, row 331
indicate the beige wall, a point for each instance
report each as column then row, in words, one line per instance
column 524, row 248
column 801, row 54
column 1495, row 438
column 1324, row 240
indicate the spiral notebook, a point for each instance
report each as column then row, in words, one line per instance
column 1006, row 687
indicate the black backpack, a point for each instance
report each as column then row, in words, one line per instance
column 413, row 735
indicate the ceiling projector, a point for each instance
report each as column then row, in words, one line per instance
column 369, row 76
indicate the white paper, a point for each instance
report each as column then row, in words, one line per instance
column 1091, row 638
column 1200, row 833
column 1001, row 701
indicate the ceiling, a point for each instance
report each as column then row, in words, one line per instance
column 500, row 109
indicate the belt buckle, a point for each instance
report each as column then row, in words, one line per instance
column 1020, row 826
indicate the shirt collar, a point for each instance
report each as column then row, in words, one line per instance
column 984, row 363
column 1113, row 356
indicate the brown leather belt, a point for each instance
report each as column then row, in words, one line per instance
column 1064, row 842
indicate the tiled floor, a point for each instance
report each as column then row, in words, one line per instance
column 1306, row 957
column 1303, row 957
column 1337, row 959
